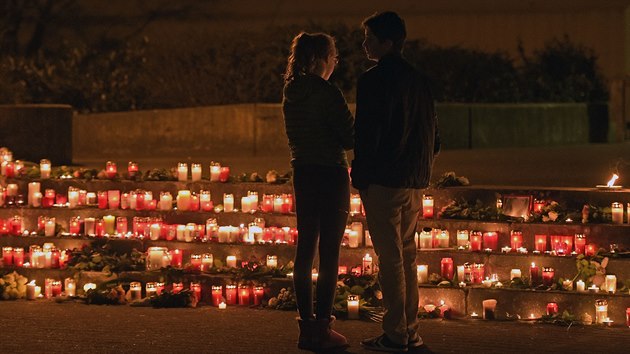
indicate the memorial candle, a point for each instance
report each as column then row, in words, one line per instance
column 461, row 274
column 355, row 204
column 367, row 264
column 272, row 261
column 70, row 287
column 462, row 238
column 547, row 276
column 490, row 240
column 489, row 307
column 580, row 286
column 195, row 172
column 109, row 224
column 552, row 309
column 245, row 205
column 443, row 238
column 426, row 238
column 259, row 293
column 135, row 290
column 243, row 295
column 102, row 199
column 183, row 200
column 33, row 187
column 267, row 203
column 49, row 198
column 601, row 310
column 44, row 168
column 515, row 273
column 580, row 243
column 113, row 198
column 73, row 197
column 207, row 261
column 628, row 317
column 516, row 240
column 110, row 169
column 7, row 256
column 422, row 273
column 590, row 249
column 30, row 290
column 540, row 243
column 182, row 172
column 475, row 241
column 230, row 261
column 534, row 274
column 231, row 294
column 617, row 213
column 195, row 288
column 166, row 201
column 253, row 198
column 427, row 206
column 353, row 307
column 49, row 228
column 121, row 225
column 132, row 169
column 150, row 289
column 176, row 258
column 277, row 203
column 195, row 261
column 18, row 256
column 224, row 175
column 228, row 202
column 205, row 200
column 446, row 268
column 217, row 294
column 215, row 172
column 610, row 285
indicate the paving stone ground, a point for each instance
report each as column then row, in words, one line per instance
column 49, row 327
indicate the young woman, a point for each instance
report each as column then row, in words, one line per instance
column 320, row 128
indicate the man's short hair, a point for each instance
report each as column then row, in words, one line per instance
column 387, row 25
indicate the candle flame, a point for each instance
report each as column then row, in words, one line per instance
column 612, row 180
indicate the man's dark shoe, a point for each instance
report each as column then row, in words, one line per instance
column 415, row 342
column 383, row 344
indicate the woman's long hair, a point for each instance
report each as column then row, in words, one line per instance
column 306, row 49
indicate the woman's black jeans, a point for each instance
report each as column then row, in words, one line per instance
column 322, row 201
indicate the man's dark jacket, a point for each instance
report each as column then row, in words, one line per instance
column 396, row 134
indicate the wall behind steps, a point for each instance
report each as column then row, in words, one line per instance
column 36, row 131
column 258, row 129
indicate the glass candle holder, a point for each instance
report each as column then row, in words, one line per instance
column 601, row 310
column 353, row 307
column 44, row 168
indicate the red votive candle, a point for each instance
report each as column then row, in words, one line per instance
column 18, row 257
column 490, row 240
column 230, row 295
column 110, row 169
column 516, row 240
column 446, row 267
column 580, row 243
column 132, row 168
column 243, row 295
column 475, row 241
column 552, row 309
column 427, row 206
column 590, row 249
column 224, row 175
column 102, row 199
column 217, row 295
column 547, row 276
column 259, row 293
column 176, row 258
column 540, row 243
column 534, row 274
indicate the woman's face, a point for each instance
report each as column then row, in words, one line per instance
column 331, row 62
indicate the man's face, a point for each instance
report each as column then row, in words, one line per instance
column 374, row 48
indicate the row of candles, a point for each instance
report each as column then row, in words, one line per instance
column 155, row 229
column 475, row 274
column 354, row 235
column 45, row 256
column 233, row 295
column 143, row 200
column 477, row 241
column 552, row 309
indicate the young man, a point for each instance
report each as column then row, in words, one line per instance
column 396, row 141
